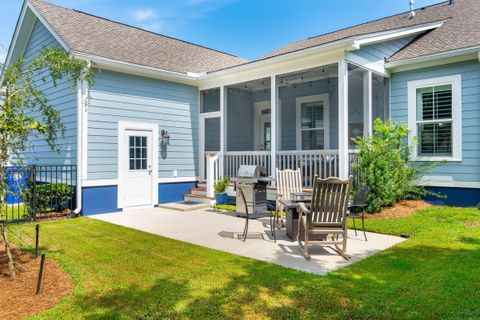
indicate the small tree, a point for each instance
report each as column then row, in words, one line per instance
column 384, row 165
column 25, row 111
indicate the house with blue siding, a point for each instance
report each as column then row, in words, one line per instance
column 165, row 117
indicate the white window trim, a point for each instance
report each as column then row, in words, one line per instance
column 326, row 121
column 456, row 82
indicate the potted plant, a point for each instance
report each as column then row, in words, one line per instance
column 220, row 187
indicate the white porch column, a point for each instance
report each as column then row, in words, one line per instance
column 343, row 119
column 201, row 146
column 273, row 125
column 223, row 127
column 367, row 105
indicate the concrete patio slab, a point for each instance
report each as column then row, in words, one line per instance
column 217, row 231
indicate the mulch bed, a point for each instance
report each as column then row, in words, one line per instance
column 401, row 209
column 18, row 295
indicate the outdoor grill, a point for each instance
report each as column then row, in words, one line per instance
column 253, row 181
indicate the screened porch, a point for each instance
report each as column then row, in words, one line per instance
column 316, row 114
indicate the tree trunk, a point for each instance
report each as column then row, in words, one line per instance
column 11, row 267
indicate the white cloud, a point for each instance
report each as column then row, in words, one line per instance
column 156, row 26
column 143, row 15
column 3, row 56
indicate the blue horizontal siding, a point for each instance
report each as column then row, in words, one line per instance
column 379, row 51
column 61, row 97
column 468, row 170
column 120, row 97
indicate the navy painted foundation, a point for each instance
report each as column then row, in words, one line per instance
column 173, row 192
column 457, row 197
column 104, row 199
column 99, row 200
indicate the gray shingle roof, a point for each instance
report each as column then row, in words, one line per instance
column 461, row 30
column 93, row 35
column 89, row 34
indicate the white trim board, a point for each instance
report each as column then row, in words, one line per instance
column 49, row 28
column 456, row 82
column 144, row 126
column 114, row 182
column 325, row 98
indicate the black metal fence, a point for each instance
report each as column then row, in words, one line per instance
column 37, row 192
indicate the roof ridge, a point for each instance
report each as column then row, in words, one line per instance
column 141, row 29
column 374, row 20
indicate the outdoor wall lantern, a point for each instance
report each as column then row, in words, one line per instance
column 165, row 137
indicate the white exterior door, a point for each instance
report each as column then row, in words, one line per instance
column 262, row 126
column 137, row 168
column 137, row 165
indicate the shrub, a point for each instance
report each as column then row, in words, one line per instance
column 52, row 197
column 220, row 186
column 384, row 165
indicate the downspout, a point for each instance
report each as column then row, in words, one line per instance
column 78, row 208
column 82, row 100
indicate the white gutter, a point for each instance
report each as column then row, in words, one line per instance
column 436, row 56
column 128, row 67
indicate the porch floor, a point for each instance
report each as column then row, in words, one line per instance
column 210, row 229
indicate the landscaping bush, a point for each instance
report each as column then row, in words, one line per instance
column 53, row 197
column 384, row 165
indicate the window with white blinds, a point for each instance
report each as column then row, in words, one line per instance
column 434, row 120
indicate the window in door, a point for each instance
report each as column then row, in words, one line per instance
column 138, row 153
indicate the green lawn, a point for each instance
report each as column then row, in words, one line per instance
column 122, row 273
column 12, row 212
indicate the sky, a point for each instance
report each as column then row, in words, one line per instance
column 246, row 28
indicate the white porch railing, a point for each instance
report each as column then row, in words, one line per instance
column 233, row 161
column 321, row 163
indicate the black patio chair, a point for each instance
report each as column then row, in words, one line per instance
column 256, row 215
column 358, row 205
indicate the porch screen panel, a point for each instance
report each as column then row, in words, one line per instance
column 312, row 126
column 212, row 134
column 357, row 101
column 210, row 100
column 380, row 99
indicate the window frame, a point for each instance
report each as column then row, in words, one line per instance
column 325, row 98
column 456, row 82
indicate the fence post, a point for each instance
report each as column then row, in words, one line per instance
column 37, row 231
column 34, row 191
